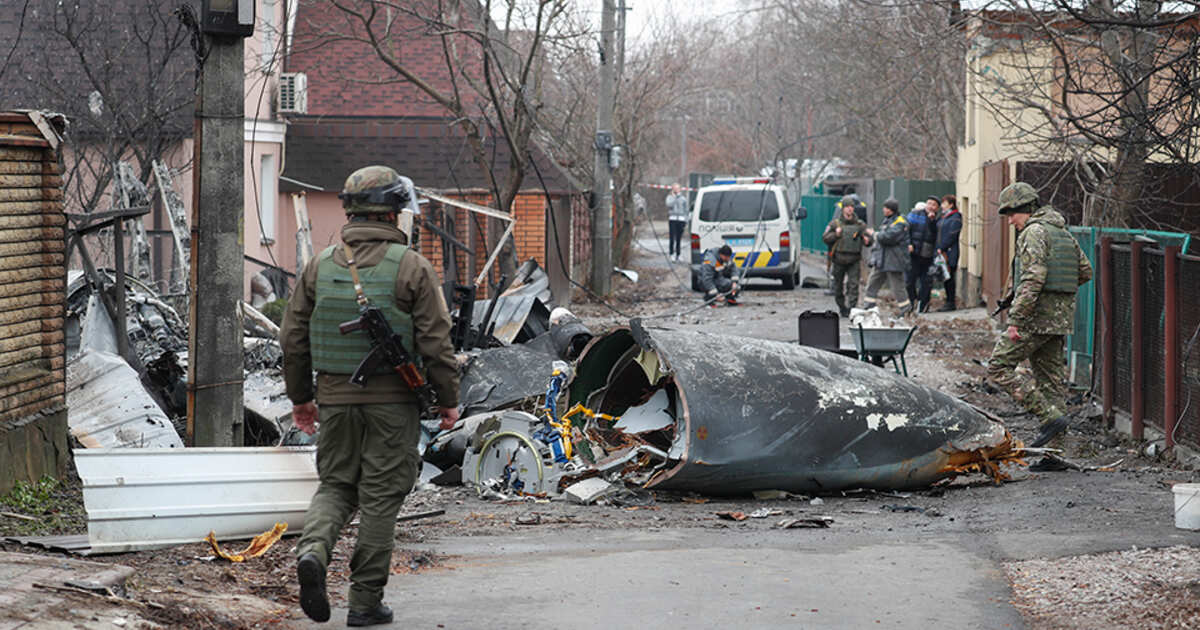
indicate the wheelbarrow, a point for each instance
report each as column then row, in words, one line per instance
column 880, row 345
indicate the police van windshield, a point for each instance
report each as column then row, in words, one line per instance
column 738, row 205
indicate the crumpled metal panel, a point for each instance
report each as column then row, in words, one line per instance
column 516, row 318
column 108, row 407
column 149, row 498
column 498, row 377
column 760, row 414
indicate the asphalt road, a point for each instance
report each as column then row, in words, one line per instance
column 679, row 567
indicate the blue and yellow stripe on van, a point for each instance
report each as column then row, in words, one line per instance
column 756, row 259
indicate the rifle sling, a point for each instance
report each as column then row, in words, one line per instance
column 353, row 265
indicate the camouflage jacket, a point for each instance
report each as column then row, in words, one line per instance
column 1034, row 311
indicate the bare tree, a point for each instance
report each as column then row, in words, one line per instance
column 486, row 77
column 121, row 72
column 1106, row 86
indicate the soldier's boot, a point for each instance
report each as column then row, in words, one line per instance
column 1050, row 429
column 381, row 614
column 313, row 599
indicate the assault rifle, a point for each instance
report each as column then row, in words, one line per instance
column 1004, row 303
column 386, row 349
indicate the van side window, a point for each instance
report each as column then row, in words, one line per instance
column 738, row 205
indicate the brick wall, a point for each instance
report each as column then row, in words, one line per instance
column 33, row 425
column 348, row 76
column 529, row 235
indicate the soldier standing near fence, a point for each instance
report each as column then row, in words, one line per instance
column 1048, row 269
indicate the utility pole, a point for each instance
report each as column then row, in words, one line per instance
column 601, row 210
column 215, row 343
column 622, row 11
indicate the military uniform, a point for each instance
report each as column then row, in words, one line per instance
column 1047, row 270
column 367, row 446
column 845, row 253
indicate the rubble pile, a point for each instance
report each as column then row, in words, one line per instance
column 140, row 399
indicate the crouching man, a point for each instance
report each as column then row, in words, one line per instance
column 716, row 277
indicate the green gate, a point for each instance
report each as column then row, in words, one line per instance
column 821, row 210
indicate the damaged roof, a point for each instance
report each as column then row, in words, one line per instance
column 322, row 151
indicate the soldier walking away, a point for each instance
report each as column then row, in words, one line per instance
column 889, row 258
column 1048, row 269
column 846, row 236
column 949, row 227
column 677, row 217
column 716, row 277
column 367, row 446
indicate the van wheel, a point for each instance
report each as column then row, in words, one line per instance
column 696, row 282
column 789, row 282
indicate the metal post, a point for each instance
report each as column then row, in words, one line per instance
column 1106, row 333
column 215, row 343
column 1136, row 290
column 119, row 287
column 602, row 173
column 1170, row 341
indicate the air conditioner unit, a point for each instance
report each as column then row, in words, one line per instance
column 293, row 93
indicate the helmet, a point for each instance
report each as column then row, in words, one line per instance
column 375, row 190
column 848, row 200
column 1016, row 196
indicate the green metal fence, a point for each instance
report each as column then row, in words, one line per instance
column 1081, row 343
column 821, row 209
column 909, row 191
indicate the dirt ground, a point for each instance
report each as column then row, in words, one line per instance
column 1052, row 581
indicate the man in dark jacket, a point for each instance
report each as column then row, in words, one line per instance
column 716, row 276
column 949, row 227
column 367, row 448
column 922, row 236
column 889, row 258
column 846, row 236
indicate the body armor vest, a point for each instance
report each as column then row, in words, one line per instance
column 336, row 302
column 1062, row 267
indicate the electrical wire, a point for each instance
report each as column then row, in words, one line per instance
column 567, row 270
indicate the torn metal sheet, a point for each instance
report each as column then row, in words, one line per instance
column 516, row 318
column 151, row 498
column 756, row 415
column 531, row 280
column 499, row 377
column 110, row 408
column 654, row 415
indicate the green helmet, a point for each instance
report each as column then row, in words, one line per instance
column 375, row 190
column 1017, row 196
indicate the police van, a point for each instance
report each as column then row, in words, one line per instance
column 751, row 215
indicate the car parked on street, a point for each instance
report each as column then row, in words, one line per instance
column 754, row 217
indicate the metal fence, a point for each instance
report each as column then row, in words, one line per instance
column 821, row 209
column 1152, row 370
column 1081, row 343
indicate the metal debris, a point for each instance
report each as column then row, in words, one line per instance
column 716, row 414
column 149, row 498
column 257, row 547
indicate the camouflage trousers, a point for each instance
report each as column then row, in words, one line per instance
column 1045, row 396
column 366, row 460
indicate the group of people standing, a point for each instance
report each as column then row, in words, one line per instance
column 900, row 252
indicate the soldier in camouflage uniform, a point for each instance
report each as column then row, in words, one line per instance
column 367, row 448
column 1047, row 270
